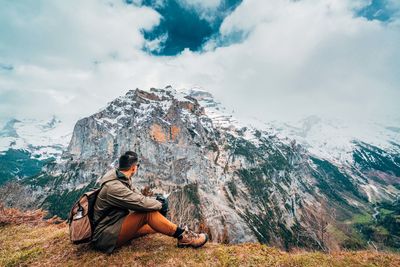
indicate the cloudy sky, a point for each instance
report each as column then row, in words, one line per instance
column 272, row 59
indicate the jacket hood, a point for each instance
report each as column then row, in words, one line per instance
column 113, row 174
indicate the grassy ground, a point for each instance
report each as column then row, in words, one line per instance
column 48, row 245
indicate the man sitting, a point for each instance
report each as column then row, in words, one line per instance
column 122, row 213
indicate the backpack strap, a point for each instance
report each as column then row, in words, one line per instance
column 106, row 212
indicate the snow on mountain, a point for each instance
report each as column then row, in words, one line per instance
column 335, row 139
column 42, row 138
column 224, row 119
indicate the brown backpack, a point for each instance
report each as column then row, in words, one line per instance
column 80, row 219
column 81, row 222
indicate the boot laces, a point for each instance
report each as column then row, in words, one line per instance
column 190, row 234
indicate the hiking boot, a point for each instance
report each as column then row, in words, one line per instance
column 191, row 239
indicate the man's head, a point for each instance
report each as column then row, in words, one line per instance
column 128, row 163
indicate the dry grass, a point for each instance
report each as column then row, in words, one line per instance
column 28, row 240
column 32, row 217
column 48, row 245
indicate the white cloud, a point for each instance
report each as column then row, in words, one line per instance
column 206, row 9
column 53, row 46
column 201, row 3
column 70, row 32
column 157, row 44
column 300, row 58
column 311, row 57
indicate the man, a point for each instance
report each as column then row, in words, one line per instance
column 122, row 213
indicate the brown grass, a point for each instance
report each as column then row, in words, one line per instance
column 48, row 245
column 28, row 240
column 32, row 217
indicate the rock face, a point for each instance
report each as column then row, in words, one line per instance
column 236, row 182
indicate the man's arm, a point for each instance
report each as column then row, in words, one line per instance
column 120, row 196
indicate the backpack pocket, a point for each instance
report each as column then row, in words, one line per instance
column 80, row 227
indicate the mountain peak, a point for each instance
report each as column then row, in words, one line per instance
column 9, row 129
column 52, row 123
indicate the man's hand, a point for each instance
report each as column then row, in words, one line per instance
column 164, row 202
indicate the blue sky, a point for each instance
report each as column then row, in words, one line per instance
column 288, row 58
column 186, row 26
column 382, row 10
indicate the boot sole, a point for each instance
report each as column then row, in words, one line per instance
column 191, row 246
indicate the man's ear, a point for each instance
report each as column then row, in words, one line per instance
column 133, row 168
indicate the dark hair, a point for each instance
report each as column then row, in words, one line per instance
column 127, row 160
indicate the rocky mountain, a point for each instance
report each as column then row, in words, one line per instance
column 371, row 147
column 235, row 181
column 335, row 139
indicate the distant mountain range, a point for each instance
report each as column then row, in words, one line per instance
column 42, row 139
column 335, row 139
column 26, row 145
column 312, row 184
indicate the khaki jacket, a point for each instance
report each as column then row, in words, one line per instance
column 114, row 202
